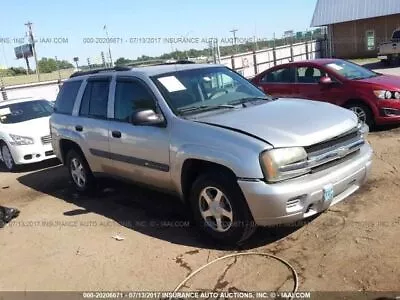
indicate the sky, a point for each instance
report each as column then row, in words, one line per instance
column 75, row 28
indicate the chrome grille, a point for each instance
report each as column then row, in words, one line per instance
column 335, row 150
column 328, row 153
column 46, row 139
column 342, row 139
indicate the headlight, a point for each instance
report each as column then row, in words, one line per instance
column 383, row 94
column 363, row 128
column 397, row 95
column 21, row 140
column 284, row 163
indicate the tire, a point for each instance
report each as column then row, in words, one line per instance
column 362, row 110
column 389, row 60
column 8, row 160
column 236, row 222
column 79, row 171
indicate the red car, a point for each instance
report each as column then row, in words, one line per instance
column 374, row 97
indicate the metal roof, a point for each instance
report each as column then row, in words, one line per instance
column 338, row 11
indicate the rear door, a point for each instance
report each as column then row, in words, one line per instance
column 92, row 124
column 279, row 82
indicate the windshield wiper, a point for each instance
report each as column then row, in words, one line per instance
column 204, row 108
column 249, row 99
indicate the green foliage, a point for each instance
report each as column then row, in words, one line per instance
column 48, row 65
column 123, row 61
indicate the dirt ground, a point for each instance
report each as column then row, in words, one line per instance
column 62, row 241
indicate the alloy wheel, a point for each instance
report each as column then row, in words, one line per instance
column 78, row 173
column 215, row 209
column 361, row 114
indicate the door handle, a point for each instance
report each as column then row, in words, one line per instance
column 116, row 134
column 78, row 128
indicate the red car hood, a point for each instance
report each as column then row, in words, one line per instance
column 388, row 81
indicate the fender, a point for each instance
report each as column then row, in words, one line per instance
column 243, row 165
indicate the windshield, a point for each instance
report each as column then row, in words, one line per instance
column 349, row 70
column 396, row 35
column 205, row 87
column 24, row 111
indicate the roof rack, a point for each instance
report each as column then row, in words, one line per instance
column 159, row 63
column 95, row 71
column 178, row 62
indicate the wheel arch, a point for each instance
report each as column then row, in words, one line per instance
column 359, row 101
column 66, row 145
column 192, row 168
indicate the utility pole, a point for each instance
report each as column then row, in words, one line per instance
column 218, row 51
column 58, row 68
column 109, row 48
column 32, row 42
column 234, row 38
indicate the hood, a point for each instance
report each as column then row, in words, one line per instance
column 287, row 122
column 388, row 81
column 34, row 128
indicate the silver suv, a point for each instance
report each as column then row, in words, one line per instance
column 204, row 133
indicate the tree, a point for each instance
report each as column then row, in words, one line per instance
column 64, row 64
column 123, row 61
column 47, row 65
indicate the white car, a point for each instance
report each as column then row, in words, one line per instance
column 24, row 132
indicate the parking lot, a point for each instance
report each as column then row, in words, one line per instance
column 64, row 241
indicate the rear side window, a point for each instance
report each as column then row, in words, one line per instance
column 95, row 99
column 66, row 97
column 284, row 75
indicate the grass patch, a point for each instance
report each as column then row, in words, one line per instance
column 23, row 79
column 364, row 61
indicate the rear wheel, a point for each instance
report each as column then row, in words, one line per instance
column 220, row 209
column 80, row 172
column 363, row 113
column 7, row 158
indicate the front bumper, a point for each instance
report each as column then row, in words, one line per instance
column 389, row 114
column 26, row 154
column 300, row 198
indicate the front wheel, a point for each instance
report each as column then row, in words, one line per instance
column 220, row 209
column 363, row 113
column 7, row 158
column 80, row 172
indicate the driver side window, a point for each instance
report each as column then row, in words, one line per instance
column 130, row 96
column 308, row 75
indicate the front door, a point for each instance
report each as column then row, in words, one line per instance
column 308, row 85
column 139, row 152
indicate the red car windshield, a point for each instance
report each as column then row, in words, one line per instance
column 349, row 70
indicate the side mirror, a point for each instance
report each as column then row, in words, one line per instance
column 147, row 117
column 325, row 80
